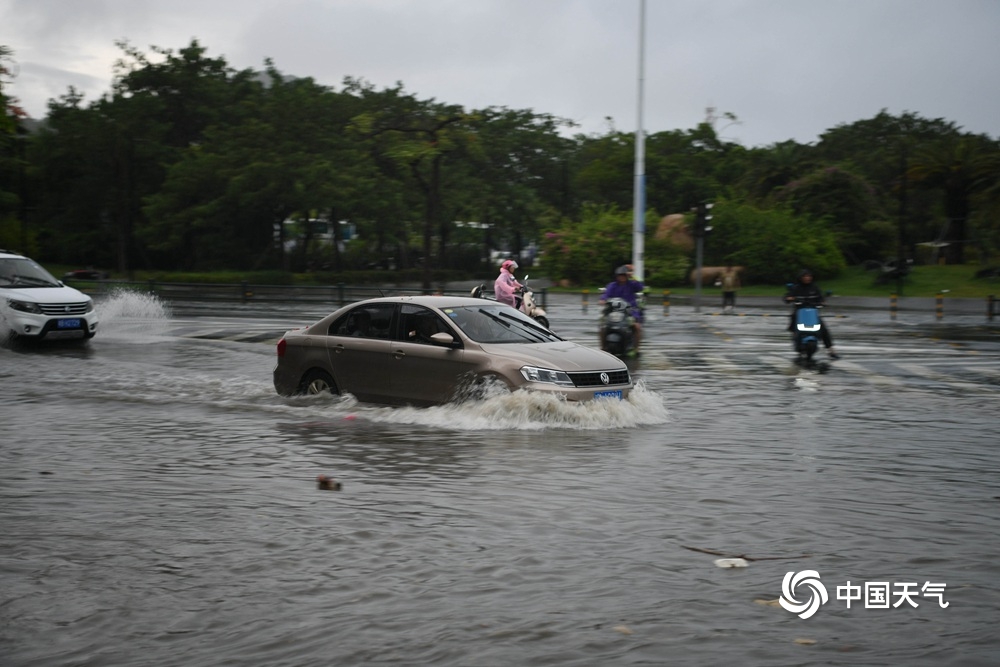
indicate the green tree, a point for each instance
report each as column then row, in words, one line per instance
column 847, row 202
column 772, row 168
column 13, row 161
column 604, row 170
column 771, row 243
column 425, row 138
column 516, row 173
column 229, row 197
column 956, row 166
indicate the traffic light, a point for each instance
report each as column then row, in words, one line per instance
column 703, row 217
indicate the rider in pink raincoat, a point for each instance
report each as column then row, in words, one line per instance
column 505, row 287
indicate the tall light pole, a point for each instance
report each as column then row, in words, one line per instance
column 901, row 248
column 639, row 196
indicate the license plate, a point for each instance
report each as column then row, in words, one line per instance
column 68, row 324
column 615, row 393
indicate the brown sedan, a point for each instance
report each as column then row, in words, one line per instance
column 427, row 350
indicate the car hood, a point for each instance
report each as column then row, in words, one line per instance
column 62, row 294
column 562, row 356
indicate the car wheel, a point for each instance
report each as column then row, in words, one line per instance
column 317, row 381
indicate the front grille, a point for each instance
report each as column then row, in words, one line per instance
column 64, row 308
column 593, row 378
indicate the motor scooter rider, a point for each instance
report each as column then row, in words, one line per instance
column 506, row 287
column 807, row 290
column 625, row 288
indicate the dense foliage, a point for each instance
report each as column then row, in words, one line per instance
column 188, row 164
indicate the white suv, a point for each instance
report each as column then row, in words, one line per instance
column 35, row 305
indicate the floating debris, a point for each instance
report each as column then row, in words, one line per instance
column 768, row 603
column 750, row 559
column 805, row 642
column 327, row 483
column 731, row 562
column 622, row 629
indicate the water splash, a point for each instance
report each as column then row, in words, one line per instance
column 5, row 329
column 526, row 411
column 129, row 314
column 805, row 384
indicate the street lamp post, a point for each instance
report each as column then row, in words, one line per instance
column 639, row 195
column 900, row 241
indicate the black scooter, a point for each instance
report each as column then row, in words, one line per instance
column 616, row 326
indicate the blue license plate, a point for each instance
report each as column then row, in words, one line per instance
column 68, row 324
column 616, row 393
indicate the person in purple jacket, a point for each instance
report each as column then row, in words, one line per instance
column 625, row 288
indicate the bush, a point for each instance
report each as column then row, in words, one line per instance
column 587, row 252
column 772, row 244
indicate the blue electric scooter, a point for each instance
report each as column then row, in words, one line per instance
column 808, row 329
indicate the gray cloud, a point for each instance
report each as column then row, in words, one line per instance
column 789, row 69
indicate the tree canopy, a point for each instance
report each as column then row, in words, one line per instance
column 187, row 163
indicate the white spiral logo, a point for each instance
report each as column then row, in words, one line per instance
column 817, row 595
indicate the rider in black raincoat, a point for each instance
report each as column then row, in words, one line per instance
column 808, row 291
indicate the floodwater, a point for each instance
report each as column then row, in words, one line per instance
column 158, row 503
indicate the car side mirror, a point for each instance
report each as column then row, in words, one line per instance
column 443, row 339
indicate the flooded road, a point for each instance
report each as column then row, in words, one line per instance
column 158, row 503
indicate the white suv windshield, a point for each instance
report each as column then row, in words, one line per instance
column 22, row 272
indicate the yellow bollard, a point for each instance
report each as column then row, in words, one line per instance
column 939, row 306
column 586, row 296
column 892, row 306
column 666, row 302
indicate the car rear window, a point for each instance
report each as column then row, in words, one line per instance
column 369, row 321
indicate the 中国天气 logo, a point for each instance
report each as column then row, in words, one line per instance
column 817, row 593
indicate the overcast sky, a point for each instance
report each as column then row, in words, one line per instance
column 788, row 69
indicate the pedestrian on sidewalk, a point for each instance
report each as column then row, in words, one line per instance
column 730, row 282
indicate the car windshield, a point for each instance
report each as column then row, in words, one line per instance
column 22, row 272
column 498, row 324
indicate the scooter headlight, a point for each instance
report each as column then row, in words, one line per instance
column 532, row 374
column 24, row 306
column 616, row 316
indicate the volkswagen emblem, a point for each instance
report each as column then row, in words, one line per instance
column 604, row 378
column 66, row 309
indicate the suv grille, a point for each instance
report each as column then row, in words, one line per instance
column 64, row 308
column 593, row 379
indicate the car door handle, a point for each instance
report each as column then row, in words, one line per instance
column 399, row 354
column 338, row 348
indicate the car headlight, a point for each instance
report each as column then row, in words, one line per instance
column 24, row 306
column 532, row 374
column 90, row 306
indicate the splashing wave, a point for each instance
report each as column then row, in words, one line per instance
column 131, row 314
column 524, row 410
